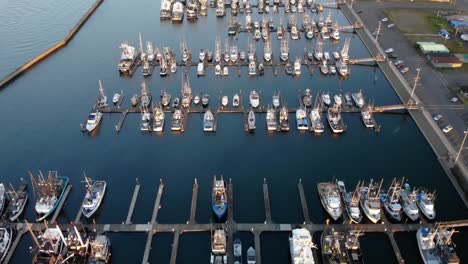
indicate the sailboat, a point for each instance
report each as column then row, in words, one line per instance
column 48, row 192
column 95, row 191
column 102, row 98
column 186, row 91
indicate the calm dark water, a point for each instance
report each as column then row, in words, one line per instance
column 42, row 110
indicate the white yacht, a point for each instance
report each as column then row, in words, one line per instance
column 276, row 100
column 235, row 100
column 272, row 124
column 251, row 120
column 102, row 98
column 176, row 124
column 358, row 99
column 128, row 59
column 95, row 191
column 254, row 98
column 297, row 66
column 316, row 120
column 330, row 198
column 94, row 118
column 335, row 120
column 208, row 121
column 252, row 68
column 200, row 69
column 225, row 71
column 370, row 200
column 158, row 119
column 326, row 99
column 224, row 101
column 301, row 119
column 177, row 12
column 300, row 247
column 425, row 201
column 116, row 97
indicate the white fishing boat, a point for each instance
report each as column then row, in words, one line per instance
column 251, row 120
column 208, row 121
column 235, row 100
column 95, row 191
column 6, row 237
column 128, row 59
column 166, row 11
column 158, row 119
column 176, row 124
column 200, row 69
column 325, row 33
column 149, row 51
column 425, row 201
column 116, row 97
column 330, row 198
column 318, row 53
column 100, row 250
column 254, row 98
column 267, row 52
column 252, row 68
column 186, row 92
column 326, row 99
column 224, row 101
column 335, row 120
column 145, row 95
column 48, row 192
column 94, row 118
column 178, row 12
column 234, row 54
column 370, row 200
column 351, row 202
column 135, row 99
column 316, row 120
column 307, row 98
column 332, row 69
column 284, row 50
column 217, row 55
column 280, row 31
column 294, row 33
column 145, row 123
column 324, row 67
column 3, row 200
column 17, row 200
column 165, row 99
column 336, row 55
column 342, row 67
column 300, row 247
column 257, row 34
column 367, row 117
column 408, row 199
column 276, row 100
column 301, row 119
column 225, row 71
column 271, row 122
column 338, row 100
column 237, row 251
column 284, row 119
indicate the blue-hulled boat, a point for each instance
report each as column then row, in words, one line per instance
column 49, row 192
column 219, row 198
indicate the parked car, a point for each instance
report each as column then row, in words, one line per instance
column 437, row 117
column 400, row 66
column 390, row 25
column 385, row 19
column 389, row 50
column 398, row 62
column 447, row 129
column 404, row 70
column 393, row 56
column 454, row 99
column 444, row 33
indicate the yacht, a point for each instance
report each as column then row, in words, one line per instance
column 326, row 99
column 219, row 198
column 252, row 68
column 208, row 121
column 251, row 120
column 335, row 120
column 330, row 198
column 145, row 95
column 235, row 100
column 225, row 71
column 218, row 70
column 316, row 120
column 116, row 97
column 351, row 202
column 237, row 251
column 158, row 119
column 276, row 100
column 248, row 21
column 176, row 102
column 425, row 201
column 367, row 117
column 196, row 100
column 165, row 99
column 224, row 101
column 254, row 99
column 218, row 247
column 135, row 99
column 288, row 69
column 324, row 67
column 272, row 124
column 145, row 124
column 186, row 92
column 335, row 35
column 234, row 54
column 48, row 192
column 200, row 69
column 369, row 200
column 251, row 258
column 333, row 247
column 284, row 56
column 307, row 98
column 301, row 119
column 95, row 191
column 16, row 203
column 202, row 55
column 177, row 12
column 100, row 250
column 408, row 200
column 94, row 118
column 176, row 124
column 128, row 59
column 300, row 247
column 192, row 11
column 283, row 119
column 338, row 100
column 6, row 237
column 358, row 99
column 297, row 66
column 318, row 53
column 391, row 203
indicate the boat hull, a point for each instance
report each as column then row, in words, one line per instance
column 89, row 213
column 64, row 187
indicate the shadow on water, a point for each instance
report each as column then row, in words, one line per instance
column 194, row 248
column 275, row 247
column 376, row 248
column 161, row 248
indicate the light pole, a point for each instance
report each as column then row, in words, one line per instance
column 414, row 86
column 461, row 147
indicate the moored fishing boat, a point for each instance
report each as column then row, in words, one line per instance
column 158, row 119
column 330, row 198
column 128, row 59
column 145, row 95
column 271, row 122
column 95, row 191
column 218, row 247
column 49, row 246
column 219, row 202
column 391, row 202
column 370, row 200
column 367, row 116
column 301, row 119
column 237, row 251
column 276, row 100
column 17, row 202
column 358, row 99
column 6, row 237
column 176, row 124
column 208, row 121
column 297, row 66
column 300, row 247
column 351, row 202
column 425, row 201
column 284, row 119
column 135, row 99
column 177, row 12
column 251, row 120
column 102, row 98
column 48, row 192
column 145, row 123
column 353, row 247
column 165, row 99
column 100, row 250
column 335, row 120
column 186, row 92
column 316, row 120
column 307, row 98
column 333, row 247
column 254, row 98
column 326, row 99
column 408, row 201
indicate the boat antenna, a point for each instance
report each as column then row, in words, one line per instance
column 34, row 184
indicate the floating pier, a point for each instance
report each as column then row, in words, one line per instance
column 193, row 207
column 132, row 203
column 266, row 200
column 60, row 205
column 305, row 209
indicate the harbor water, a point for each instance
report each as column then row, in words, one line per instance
column 41, row 112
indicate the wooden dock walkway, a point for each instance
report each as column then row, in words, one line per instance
column 60, row 205
column 132, row 203
column 157, row 204
column 258, row 254
column 266, row 200
column 305, row 209
column 193, row 206
column 175, row 246
column 119, row 125
column 154, row 217
column 230, row 197
column 79, row 213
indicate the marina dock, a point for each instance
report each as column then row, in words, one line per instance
column 132, row 203
column 60, row 205
column 231, row 227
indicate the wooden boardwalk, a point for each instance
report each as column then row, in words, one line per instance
column 60, row 205
column 132, row 203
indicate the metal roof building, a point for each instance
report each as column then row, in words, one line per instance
column 431, row 47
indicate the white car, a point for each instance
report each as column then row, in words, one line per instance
column 390, row 50
column 384, row 19
column 454, row 99
column 404, row 70
column 447, row 129
column 390, row 25
column 437, row 117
